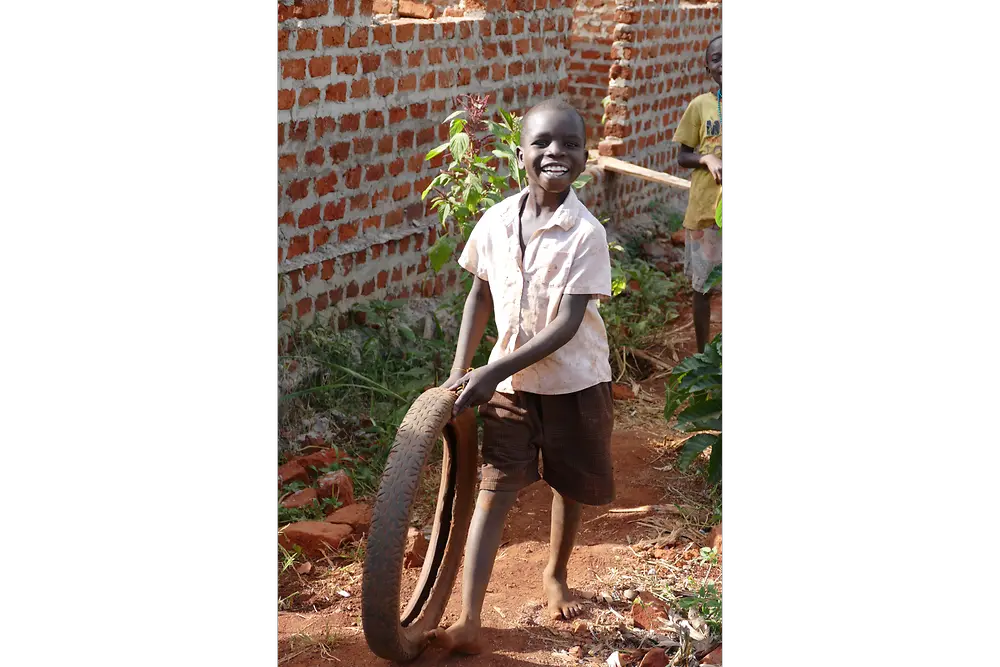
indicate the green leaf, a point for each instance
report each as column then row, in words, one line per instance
column 705, row 424
column 437, row 150
column 498, row 130
column 457, row 126
column 701, row 415
column 674, row 398
column 453, row 115
column 582, row 180
column 702, row 383
column 441, row 251
column 694, row 446
column 715, row 463
column 508, row 118
column 714, row 278
column 502, row 154
column 467, row 227
column 459, row 145
column 617, row 286
column 407, row 332
column 440, row 179
column 472, row 200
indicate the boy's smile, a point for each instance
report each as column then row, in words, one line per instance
column 553, row 150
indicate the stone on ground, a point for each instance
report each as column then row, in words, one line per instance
column 648, row 612
column 357, row 516
column 314, row 537
column 713, row 658
column 337, row 485
column 656, row 657
column 302, row 498
column 321, row 459
column 292, row 472
column 621, row 392
column 416, row 548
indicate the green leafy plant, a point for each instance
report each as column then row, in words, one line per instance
column 697, row 381
column 470, row 182
column 287, row 558
column 641, row 303
column 366, row 378
column 314, row 511
column 707, row 602
column 708, row 555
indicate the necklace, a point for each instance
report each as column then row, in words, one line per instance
column 718, row 105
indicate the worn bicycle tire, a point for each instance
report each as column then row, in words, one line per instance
column 389, row 634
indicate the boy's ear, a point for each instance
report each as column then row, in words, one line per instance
column 520, row 157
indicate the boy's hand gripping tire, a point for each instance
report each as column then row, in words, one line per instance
column 389, row 634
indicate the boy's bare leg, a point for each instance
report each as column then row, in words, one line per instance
column 702, row 312
column 565, row 522
column 485, row 533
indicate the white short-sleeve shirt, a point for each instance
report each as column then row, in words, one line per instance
column 569, row 255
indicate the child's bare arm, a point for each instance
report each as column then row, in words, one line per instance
column 691, row 160
column 475, row 317
column 482, row 382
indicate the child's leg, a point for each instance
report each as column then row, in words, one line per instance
column 510, row 462
column 565, row 523
column 702, row 253
column 702, row 311
column 480, row 552
column 577, row 460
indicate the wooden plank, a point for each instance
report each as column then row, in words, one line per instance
column 629, row 169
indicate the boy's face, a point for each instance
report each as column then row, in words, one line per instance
column 553, row 149
column 714, row 61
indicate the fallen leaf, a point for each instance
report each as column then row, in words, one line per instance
column 304, row 568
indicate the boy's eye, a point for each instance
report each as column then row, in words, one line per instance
column 540, row 142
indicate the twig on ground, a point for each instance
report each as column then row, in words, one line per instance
column 639, row 354
column 294, row 655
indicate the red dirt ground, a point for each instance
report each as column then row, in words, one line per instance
column 514, row 623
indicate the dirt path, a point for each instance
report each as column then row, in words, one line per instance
column 515, row 624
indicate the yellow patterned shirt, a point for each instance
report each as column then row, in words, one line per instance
column 701, row 129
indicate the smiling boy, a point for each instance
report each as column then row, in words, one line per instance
column 540, row 261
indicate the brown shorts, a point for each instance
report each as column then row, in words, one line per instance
column 572, row 431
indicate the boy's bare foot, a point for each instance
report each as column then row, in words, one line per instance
column 561, row 603
column 462, row 637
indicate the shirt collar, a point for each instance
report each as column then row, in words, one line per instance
column 565, row 216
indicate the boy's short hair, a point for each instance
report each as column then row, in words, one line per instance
column 554, row 104
column 709, row 47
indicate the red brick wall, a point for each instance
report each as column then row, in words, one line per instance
column 590, row 61
column 659, row 66
column 359, row 105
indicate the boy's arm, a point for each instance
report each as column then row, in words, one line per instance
column 689, row 134
column 482, row 382
column 475, row 317
column 688, row 158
